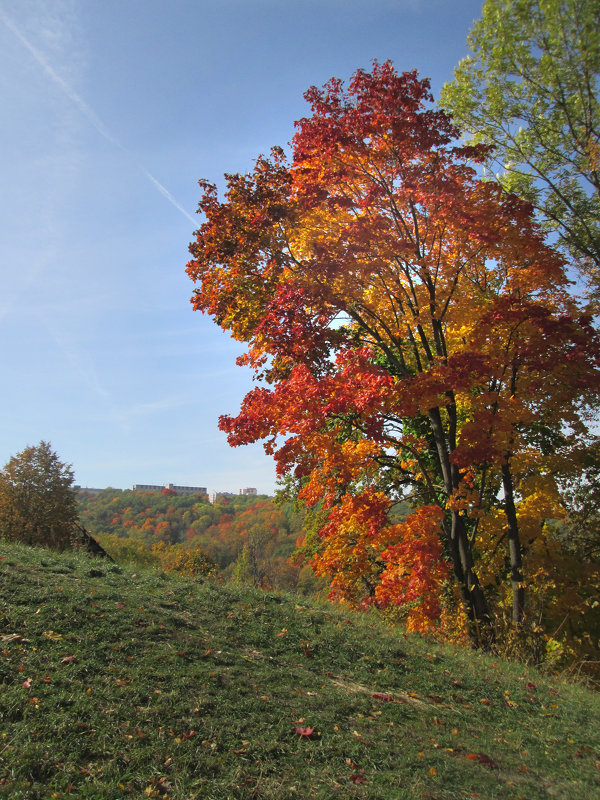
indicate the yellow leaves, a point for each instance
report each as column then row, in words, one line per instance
column 458, row 335
column 55, row 637
column 319, row 227
column 541, row 502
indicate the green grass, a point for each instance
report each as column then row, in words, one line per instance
column 115, row 685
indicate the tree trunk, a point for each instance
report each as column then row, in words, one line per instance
column 470, row 588
column 514, row 547
column 460, row 546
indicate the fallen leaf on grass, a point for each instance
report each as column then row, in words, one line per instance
column 26, row 683
column 385, row 698
column 55, row 637
column 305, row 732
column 68, row 659
column 483, row 759
column 359, row 778
column 461, row 700
column 137, row 733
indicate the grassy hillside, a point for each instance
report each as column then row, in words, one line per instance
column 115, row 685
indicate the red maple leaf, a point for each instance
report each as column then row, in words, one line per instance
column 305, row 732
column 483, row 759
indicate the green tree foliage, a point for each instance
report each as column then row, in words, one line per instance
column 581, row 532
column 530, row 89
column 38, row 505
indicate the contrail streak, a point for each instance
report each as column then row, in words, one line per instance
column 167, row 194
column 89, row 112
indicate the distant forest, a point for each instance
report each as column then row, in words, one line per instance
column 249, row 538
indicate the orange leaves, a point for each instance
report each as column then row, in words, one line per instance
column 403, row 561
column 415, row 569
column 466, row 498
column 351, row 542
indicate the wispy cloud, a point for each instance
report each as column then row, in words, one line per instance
column 85, row 109
column 162, row 404
column 88, row 112
column 80, row 362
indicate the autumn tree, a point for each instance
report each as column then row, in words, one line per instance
column 38, row 504
column 414, row 337
column 530, row 88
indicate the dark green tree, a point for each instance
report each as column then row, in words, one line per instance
column 38, row 504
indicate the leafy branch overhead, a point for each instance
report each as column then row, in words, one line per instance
column 530, row 89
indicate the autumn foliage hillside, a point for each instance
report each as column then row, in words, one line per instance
column 250, row 538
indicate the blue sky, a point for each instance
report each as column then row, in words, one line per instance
column 111, row 111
